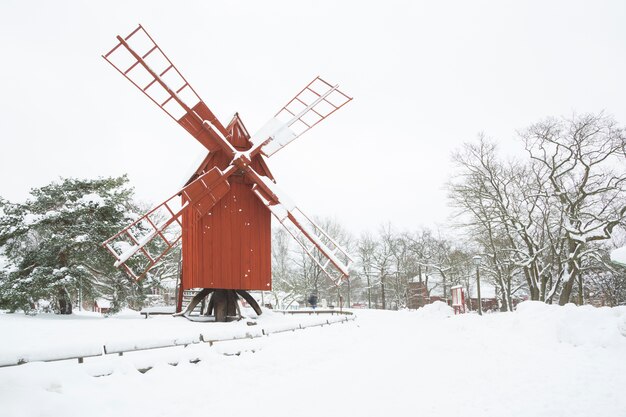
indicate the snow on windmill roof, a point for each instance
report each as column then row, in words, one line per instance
column 192, row 172
column 237, row 119
column 619, row 256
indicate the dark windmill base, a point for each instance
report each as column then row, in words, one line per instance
column 220, row 304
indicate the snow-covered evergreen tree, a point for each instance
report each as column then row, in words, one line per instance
column 52, row 244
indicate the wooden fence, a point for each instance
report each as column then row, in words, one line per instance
column 90, row 351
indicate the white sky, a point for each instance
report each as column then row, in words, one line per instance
column 426, row 77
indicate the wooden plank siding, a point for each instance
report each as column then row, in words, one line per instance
column 229, row 247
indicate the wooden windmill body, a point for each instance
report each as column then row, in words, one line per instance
column 230, row 246
column 223, row 213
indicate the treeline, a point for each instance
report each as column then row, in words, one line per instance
column 546, row 221
column 543, row 225
column 384, row 264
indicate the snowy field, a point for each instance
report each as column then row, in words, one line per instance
column 539, row 361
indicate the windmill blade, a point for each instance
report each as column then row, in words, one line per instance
column 312, row 238
column 138, row 58
column 315, row 102
column 142, row 244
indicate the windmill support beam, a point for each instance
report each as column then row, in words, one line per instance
column 222, row 305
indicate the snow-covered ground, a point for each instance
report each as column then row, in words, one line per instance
column 539, row 361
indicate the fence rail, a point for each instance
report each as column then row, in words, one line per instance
column 251, row 332
column 317, row 312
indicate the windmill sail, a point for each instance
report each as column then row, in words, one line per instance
column 315, row 102
column 138, row 58
column 142, row 244
column 330, row 257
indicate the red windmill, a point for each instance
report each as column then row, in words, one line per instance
column 222, row 215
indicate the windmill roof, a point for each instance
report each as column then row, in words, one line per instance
column 236, row 120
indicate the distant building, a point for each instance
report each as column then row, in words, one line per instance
column 488, row 296
column 162, row 294
column 101, row 305
column 417, row 295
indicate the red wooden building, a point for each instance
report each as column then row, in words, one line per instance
column 231, row 248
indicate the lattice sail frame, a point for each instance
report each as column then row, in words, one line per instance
column 133, row 247
column 315, row 102
column 302, row 228
column 132, row 68
column 142, row 62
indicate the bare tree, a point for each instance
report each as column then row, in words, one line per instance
column 538, row 218
column 286, row 287
column 383, row 258
column 499, row 206
column 365, row 250
column 584, row 162
column 402, row 266
column 307, row 275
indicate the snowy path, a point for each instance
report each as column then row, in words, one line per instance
column 541, row 361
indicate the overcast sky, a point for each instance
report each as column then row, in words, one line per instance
column 426, row 77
